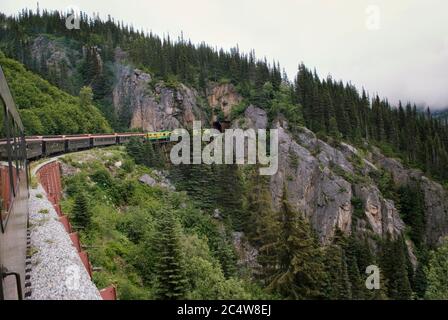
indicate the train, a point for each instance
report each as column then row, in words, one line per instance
column 16, row 151
column 45, row 146
column 14, row 186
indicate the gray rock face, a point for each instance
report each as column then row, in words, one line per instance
column 256, row 118
column 160, row 180
column 326, row 154
column 247, row 254
column 222, row 98
column 147, row 179
column 312, row 188
column 153, row 106
column 59, row 60
column 436, row 210
column 400, row 174
column 54, row 55
column 435, row 196
column 381, row 213
column 307, row 170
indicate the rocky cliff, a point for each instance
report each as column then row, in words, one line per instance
column 435, row 195
column 316, row 175
column 332, row 185
column 222, row 98
column 153, row 105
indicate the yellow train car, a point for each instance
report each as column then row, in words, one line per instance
column 160, row 135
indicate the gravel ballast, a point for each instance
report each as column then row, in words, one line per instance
column 57, row 272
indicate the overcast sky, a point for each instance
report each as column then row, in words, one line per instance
column 396, row 48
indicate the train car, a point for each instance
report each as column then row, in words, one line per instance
column 3, row 148
column 74, row 143
column 126, row 137
column 103, row 140
column 157, row 136
column 52, row 146
column 34, row 147
column 14, row 181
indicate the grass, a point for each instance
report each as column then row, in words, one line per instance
column 34, row 182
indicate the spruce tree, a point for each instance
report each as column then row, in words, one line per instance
column 357, row 284
column 412, row 210
column 81, row 212
column 436, row 273
column 395, row 270
column 170, row 282
column 297, row 271
column 265, row 227
column 338, row 283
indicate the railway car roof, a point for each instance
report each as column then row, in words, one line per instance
column 77, row 138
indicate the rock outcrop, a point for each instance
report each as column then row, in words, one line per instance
column 57, row 62
column 435, row 195
column 153, row 106
column 316, row 177
column 158, row 180
column 436, row 210
column 222, row 98
column 381, row 214
column 54, row 55
column 312, row 187
column 162, row 109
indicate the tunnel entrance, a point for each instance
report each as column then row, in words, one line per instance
column 217, row 126
column 221, row 125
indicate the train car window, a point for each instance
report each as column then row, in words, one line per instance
column 5, row 170
column 22, row 149
column 14, row 153
column 18, row 147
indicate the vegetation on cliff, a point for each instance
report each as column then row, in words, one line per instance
column 45, row 109
column 149, row 241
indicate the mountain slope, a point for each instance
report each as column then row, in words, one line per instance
column 45, row 109
column 73, row 58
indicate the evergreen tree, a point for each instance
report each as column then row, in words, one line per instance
column 395, row 269
column 170, row 280
column 420, row 281
column 145, row 153
column 85, row 96
column 333, row 128
column 436, row 273
column 81, row 211
column 338, row 283
column 296, row 271
column 411, row 206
